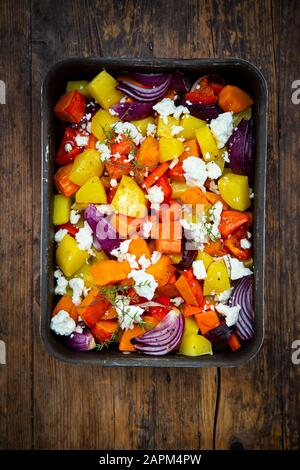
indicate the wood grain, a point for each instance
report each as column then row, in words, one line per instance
column 92, row 407
column 16, row 225
column 48, row 404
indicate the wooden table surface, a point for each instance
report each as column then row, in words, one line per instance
column 45, row 404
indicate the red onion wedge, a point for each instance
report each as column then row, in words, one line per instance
column 133, row 111
column 207, row 112
column 150, row 79
column 140, row 93
column 106, row 238
column 81, row 341
column 243, row 296
column 164, row 338
column 241, row 148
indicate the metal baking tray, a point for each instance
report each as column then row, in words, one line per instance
column 236, row 71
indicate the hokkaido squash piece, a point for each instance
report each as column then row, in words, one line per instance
column 148, row 153
column 104, row 330
column 139, row 247
column 125, row 342
column 110, row 271
column 170, row 235
column 190, row 289
column 169, row 290
column 232, row 98
column 213, row 198
column 194, row 196
column 162, row 270
column 110, row 313
column 92, row 308
column 65, row 303
column 216, row 248
column 171, row 212
column 191, row 149
column 207, row 321
column 190, row 310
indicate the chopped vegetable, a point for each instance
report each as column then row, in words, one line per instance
column 70, row 107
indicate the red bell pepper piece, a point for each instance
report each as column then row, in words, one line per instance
column 71, row 107
column 123, row 147
column 165, row 186
column 72, row 230
column 161, row 312
column 177, row 173
column 156, row 174
column 216, row 248
column 64, row 156
column 233, row 243
column 117, row 167
column 230, row 221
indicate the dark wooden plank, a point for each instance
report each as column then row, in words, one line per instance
column 287, row 21
column 250, row 408
column 90, row 407
column 16, row 241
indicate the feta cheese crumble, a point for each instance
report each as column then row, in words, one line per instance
column 237, row 269
column 144, row 262
column 62, row 324
column 146, row 228
column 213, row 170
column 173, row 163
column 104, row 150
column 68, row 147
column 113, row 182
column 145, row 284
column 222, row 128
column 195, row 172
column 176, row 130
column 84, row 238
column 61, row 283
column 155, row 196
column 180, row 110
column 129, row 129
column 127, row 314
column 122, row 249
column 224, row 296
column 81, row 140
column 165, row 107
column 199, row 269
column 77, row 285
column 151, row 129
column 231, row 313
column 60, row 235
column 177, row 301
column 155, row 257
column 245, row 244
column 74, row 217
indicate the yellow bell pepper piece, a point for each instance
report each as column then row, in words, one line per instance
column 169, row 148
column 86, row 165
column 79, row 85
column 165, row 126
column 61, row 209
column 85, row 273
column 205, row 257
column 142, row 124
column 91, row 192
column 207, row 143
column 101, row 123
column 178, row 188
column 190, row 124
column 129, row 199
column 69, row 256
column 99, row 256
column 190, row 326
column 234, row 190
column 217, row 279
column 103, row 89
column 195, row 345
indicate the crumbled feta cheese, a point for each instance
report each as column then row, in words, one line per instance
column 77, row 285
column 144, row 262
column 177, row 301
column 62, row 324
column 129, row 129
column 231, row 313
column 155, row 257
column 251, row 193
column 60, row 235
column 131, row 260
column 237, row 269
column 61, row 283
column 180, row 110
column 68, row 147
column 79, row 329
column 151, row 129
column 189, row 102
column 146, row 228
column 213, row 170
column 224, row 296
column 122, row 249
column 105, row 209
column 145, row 284
column 112, row 112
column 176, row 130
column 130, row 157
column 81, row 140
column 213, row 187
column 245, row 244
column 199, row 269
column 84, row 237
column 215, row 217
column 104, row 150
column 225, row 156
column 113, row 182
column 222, row 128
column 165, row 107
column 195, row 232
column 155, row 196
column 173, row 163
column 249, row 234
column 74, row 217
column 127, row 314
column 195, row 172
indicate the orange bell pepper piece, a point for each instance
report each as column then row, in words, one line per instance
column 191, row 149
column 110, row 271
column 190, row 289
column 232, row 98
column 65, row 303
column 156, row 174
column 148, row 153
column 190, row 310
